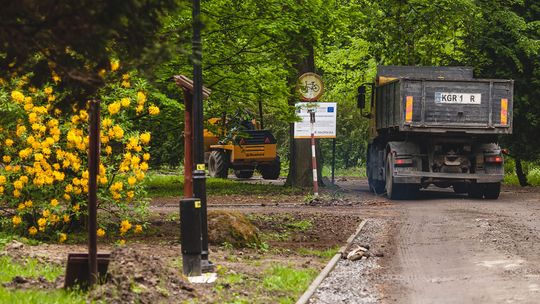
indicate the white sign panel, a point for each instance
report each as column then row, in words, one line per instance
column 461, row 98
column 325, row 120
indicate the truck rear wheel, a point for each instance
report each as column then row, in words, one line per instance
column 476, row 191
column 218, row 164
column 492, row 190
column 394, row 190
column 272, row 170
column 243, row 173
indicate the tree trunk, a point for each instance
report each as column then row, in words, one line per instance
column 300, row 171
column 522, row 177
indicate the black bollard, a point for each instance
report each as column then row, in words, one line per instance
column 190, row 231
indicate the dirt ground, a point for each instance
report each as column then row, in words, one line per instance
column 446, row 248
column 439, row 248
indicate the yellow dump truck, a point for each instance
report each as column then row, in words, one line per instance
column 249, row 149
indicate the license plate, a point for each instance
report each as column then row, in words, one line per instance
column 459, row 98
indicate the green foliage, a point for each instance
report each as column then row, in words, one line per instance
column 28, row 268
column 159, row 185
column 287, row 278
column 41, row 297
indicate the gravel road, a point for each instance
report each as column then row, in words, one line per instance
column 442, row 248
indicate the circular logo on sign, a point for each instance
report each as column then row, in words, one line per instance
column 310, row 87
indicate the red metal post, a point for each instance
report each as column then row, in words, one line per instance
column 188, row 144
column 93, row 169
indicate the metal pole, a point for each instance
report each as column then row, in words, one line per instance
column 188, row 144
column 199, row 174
column 333, row 158
column 313, row 155
column 93, row 169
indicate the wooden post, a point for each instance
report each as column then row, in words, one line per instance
column 93, row 169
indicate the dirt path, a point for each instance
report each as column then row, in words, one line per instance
column 446, row 248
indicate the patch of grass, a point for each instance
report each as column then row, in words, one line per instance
column 325, row 254
column 29, row 268
column 288, row 279
column 302, row 225
column 40, row 296
column 349, row 172
column 159, row 185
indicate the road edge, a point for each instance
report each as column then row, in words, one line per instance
column 330, row 266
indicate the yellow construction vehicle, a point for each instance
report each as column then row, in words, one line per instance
column 242, row 145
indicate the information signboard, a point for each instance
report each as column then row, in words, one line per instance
column 325, row 122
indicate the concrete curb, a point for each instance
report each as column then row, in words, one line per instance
column 324, row 273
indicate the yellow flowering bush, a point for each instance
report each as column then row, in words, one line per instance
column 43, row 158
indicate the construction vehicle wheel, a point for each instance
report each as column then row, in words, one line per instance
column 461, row 188
column 476, row 191
column 492, row 190
column 394, row 190
column 243, row 173
column 218, row 165
column 272, row 170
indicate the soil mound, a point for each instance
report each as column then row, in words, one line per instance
column 233, row 228
column 135, row 278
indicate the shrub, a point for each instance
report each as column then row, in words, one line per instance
column 43, row 151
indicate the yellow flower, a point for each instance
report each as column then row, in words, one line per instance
column 144, row 166
column 2, row 179
column 122, row 242
column 141, row 98
column 21, row 130
column 130, row 194
column 114, row 108
column 118, row 132
column 62, row 238
column 100, row 232
column 21, row 207
column 17, row 96
column 107, row 122
column 126, row 84
column 6, row 159
column 125, row 76
column 42, row 222
column 153, row 110
column 76, row 208
column 108, row 149
column 54, row 202
column 48, row 90
column 139, row 109
column 32, row 230
column 145, row 138
column 102, row 73
column 28, row 203
column 125, row 225
column 46, row 213
column 132, row 180
column 115, row 64
column 146, row 156
column 125, row 102
column 66, row 218
column 18, row 184
column 8, row 142
column 67, row 197
column 16, row 220
column 138, row 228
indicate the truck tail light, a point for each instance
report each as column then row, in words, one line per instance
column 403, row 162
column 497, row 159
column 408, row 109
column 504, row 111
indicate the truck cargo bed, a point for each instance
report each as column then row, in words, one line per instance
column 475, row 106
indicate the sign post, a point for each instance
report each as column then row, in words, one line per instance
column 311, row 87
